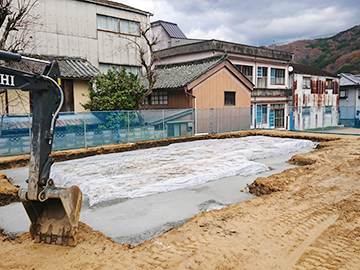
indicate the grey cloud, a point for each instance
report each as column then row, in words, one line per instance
column 257, row 22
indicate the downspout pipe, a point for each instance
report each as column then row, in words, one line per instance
column 195, row 114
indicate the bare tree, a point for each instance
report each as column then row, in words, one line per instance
column 16, row 22
column 16, row 17
column 148, row 64
column 146, row 54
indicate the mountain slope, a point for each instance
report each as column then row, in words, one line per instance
column 336, row 54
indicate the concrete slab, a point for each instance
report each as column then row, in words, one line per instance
column 137, row 220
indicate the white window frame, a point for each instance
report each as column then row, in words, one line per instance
column 117, row 25
column 133, row 69
column 262, row 77
column 343, row 93
column 306, row 83
column 275, row 79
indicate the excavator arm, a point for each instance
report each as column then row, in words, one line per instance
column 54, row 211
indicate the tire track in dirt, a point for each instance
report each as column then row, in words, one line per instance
column 311, row 228
column 312, row 222
column 338, row 247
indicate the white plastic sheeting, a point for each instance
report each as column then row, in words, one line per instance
column 150, row 171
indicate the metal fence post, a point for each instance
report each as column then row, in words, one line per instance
column 239, row 119
column 195, row 115
column 118, row 127
column 323, row 120
column 218, row 120
column 212, row 119
column 128, row 126
column 85, row 140
column 163, row 112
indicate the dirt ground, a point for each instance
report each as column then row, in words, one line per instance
column 307, row 218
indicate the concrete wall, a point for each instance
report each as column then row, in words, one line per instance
column 69, row 28
column 262, row 62
column 159, row 34
column 80, row 94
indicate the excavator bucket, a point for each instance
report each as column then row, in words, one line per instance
column 56, row 219
column 53, row 211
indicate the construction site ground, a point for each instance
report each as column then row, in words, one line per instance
column 306, row 218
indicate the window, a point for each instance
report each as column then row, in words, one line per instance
column 264, row 114
column 229, row 99
column 262, row 77
column 118, row 25
column 247, row 71
column 305, row 111
column 329, row 84
column 278, row 112
column 158, row 98
column 277, row 76
column 328, row 110
column 306, row 82
column 343, row 93
column 133, row 69
column 258, row 114
column 251, row 112
column 261, row 114
column 129, row 27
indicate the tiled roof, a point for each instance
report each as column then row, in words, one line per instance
column 304, row 69
column 177, row 75
column 117, row 5
column 347, row 79
column 77, row 68
column 172, row 29
column 69, row 67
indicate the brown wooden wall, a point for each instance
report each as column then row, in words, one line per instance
column 178, row 99
column 210, row 93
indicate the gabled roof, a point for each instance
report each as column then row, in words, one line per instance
column 304, row 69
column 179, row 75
column 171, row 29
column 70, row 67
column 347, row 79
column 117, row 5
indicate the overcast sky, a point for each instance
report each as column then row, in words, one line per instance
column 255, row 22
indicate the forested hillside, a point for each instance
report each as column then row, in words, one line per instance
column 337, row 54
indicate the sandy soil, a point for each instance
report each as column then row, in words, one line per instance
column 8, row 192
column 307, row 218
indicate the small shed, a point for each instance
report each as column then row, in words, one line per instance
column 212, row 82
column 206, row 84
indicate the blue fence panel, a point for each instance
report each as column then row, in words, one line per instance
column 89, row 129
